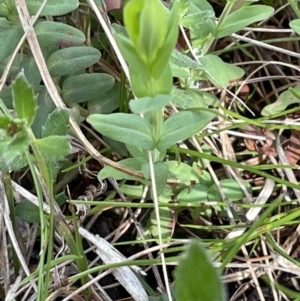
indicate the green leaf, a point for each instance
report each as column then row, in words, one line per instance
column 163, row 55
column 183, row 125
column 148, row 104
column 106, row 102
column 200, row 24
column 51, row 33
column 69, row 60
column 231, row 189
column 134, row 191
column 202, row 99
column 57, row 123
column 83, row 87
column 161, row 174
column 10, row 36
column 152, row 34
column 132, row 12
column 285, row 99
column 196, row 278
column 200, row 20
column 166, row 222
column 44, row 108
column 136, row 151
column 295, row 25
column 18, row 162
column 166, row 219
column 218, row 72
column 132, row 163
column 243, row 17
column 15, row 147
column 128, row 128
column 24, row 62
column 28, row 212
column 53, row 148
column 185, row 173
column 183, row 60
column 196, row 6
column 193, row 98
column 5, row 121
column 197, row 193
column 130, row 54
column 61, row 198
column 24, row 99
column 52, row 7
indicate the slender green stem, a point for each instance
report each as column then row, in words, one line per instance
column 293, row 4
column 226, row 11
column 50, row 234
column 244, row 238
column 10, row 198
column 42, row 286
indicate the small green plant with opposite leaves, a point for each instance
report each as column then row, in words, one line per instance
column 132, row 118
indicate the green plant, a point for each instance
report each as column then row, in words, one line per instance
column 17, row 138
column 145, row 137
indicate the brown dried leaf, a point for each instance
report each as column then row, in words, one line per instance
column 292, row 151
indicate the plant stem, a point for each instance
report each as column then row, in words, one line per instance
column 42, row 286
column 10, row 198
column 293, row 5
column 226, row 11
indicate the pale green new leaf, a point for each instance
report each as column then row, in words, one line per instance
column 136, row 64
column 243, row 17
column 148, row 104
column 195, row 276
column 166, row 219
column 295, row 25
column 183, row 125
column 127, row 128
column 131, row 163
column 152, row 35
column 184, row 172
column 285, row 99
column 24, row 99
column 5, row 121
column 197, row 193
column 163, row 55
column 231, row 189
column 218, row 72
column 161, row 174
column 132, row 11
column 53, row 148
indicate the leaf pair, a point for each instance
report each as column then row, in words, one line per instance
column 137, row 131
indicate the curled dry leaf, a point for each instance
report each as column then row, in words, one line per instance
column 267, row 148
column 292, row 151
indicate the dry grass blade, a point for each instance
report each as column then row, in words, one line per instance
column 123, row 274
